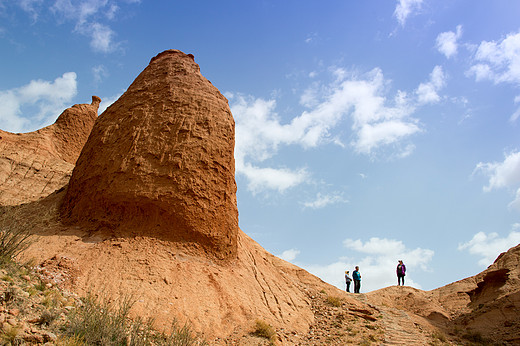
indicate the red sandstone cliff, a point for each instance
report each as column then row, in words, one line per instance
column 35, row 164
column 160, row 161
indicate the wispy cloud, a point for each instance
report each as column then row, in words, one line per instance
column 100, row 73
column 405, row 8
column 44, row 101
column 489, row 246
column 446, row 42
column 324, row 200
column 90, row 18
column 377, row 259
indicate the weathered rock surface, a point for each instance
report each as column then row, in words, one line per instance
column 485, row 305
column 160, row 161
column 35, row 164
column 151, row 211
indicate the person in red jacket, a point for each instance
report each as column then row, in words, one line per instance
column 401, row 270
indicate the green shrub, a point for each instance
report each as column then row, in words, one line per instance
column 99, row 322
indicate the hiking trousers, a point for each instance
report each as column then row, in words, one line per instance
column 399, row 279
column 357, row 286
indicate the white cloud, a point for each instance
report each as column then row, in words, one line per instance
column 498, row 61
column 376, row 122
column 428, row 92
column 323, row 200
column 502, row 174
column 377, row 263
column 45, row 100
column 405, row 8
column 489, row 246
column 446, row 42
column 280, row 179
column 289, row 255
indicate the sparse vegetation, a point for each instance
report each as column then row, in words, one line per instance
column 439, row 336
column 9, row 335
column 475, row 337
column 334, row 301
column 14, row 237
column 100, row 322
column 264, row 330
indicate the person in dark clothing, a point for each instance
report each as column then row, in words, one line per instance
column 348, row 279
column 357, row 280
column 401, row 272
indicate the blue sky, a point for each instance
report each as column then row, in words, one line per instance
column 367, row 131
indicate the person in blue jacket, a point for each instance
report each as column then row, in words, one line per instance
column 357, row 280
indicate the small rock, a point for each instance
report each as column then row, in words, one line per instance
column 14, row 311
column 49, row 336
column 48, row 285
column 26, row 277
column 33, row 338
column 12, row 321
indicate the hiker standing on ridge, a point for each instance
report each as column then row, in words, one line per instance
column 357, row 280
column 347, row 280
column 401, row 272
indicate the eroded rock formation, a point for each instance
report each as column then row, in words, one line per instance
column 160, row 163
column 35, row 164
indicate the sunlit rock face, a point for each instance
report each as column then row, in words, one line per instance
column 159, row 162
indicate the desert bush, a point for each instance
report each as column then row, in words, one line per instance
column 99, row 322
column 439, row 336
column 264, row 330
column 48, row 316
column 475, row 337
column 9, row 335
column 334, row 301
column 180, row 336
column 14, row 235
